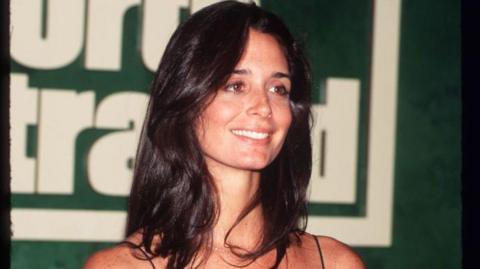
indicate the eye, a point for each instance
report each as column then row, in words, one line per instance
column 235, row 87
column 280, row 90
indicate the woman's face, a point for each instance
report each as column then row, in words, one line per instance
column 246, row 123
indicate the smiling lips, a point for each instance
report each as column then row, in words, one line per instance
column 251, row 134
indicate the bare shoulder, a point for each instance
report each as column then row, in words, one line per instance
column 122, row 256
column 115, row 257
column 339, row 255
column 304, row 253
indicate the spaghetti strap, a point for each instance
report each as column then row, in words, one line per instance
column 143, row 251
column 319, row 251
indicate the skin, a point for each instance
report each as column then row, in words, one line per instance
column 241, row 131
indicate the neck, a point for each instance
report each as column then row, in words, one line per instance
column 236, row 190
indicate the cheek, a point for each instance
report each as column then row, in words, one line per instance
column 215, row 118
column 219, row 115
column 284, row 119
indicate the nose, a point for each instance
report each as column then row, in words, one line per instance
column 259, row 105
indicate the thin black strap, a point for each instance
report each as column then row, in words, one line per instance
column 147, row 257
column 319, row 251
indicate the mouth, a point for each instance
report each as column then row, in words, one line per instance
column 251, row 134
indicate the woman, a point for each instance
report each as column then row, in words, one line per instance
column 224, row 158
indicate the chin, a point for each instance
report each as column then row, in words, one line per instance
column 255, row 164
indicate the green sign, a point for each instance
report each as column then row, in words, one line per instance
column 386, row 134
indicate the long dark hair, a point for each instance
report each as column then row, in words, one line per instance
column 173, row 196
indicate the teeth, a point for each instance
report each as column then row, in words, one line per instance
column 250, row 134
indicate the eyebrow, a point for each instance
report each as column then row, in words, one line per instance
column 281, row 75
column 241, row 72
column 274, row 74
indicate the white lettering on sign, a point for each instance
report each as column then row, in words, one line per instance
column 334, row 175
column 64, row 32
column 104, row 33
column 23, row 112
column 63, row 114
column 160, row 18
column 108, row 160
